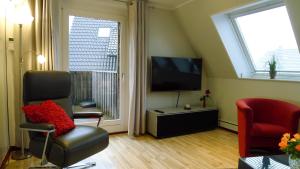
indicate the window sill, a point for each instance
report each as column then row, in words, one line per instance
column 282, row 77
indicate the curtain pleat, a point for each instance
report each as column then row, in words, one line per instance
column 43, row 33
column 138, row 68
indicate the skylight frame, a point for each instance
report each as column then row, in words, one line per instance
column 268, row 5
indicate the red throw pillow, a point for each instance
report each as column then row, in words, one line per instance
column 50, row 112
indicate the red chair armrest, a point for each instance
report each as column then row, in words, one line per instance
column 244, row 108
column 291, row 120
column 245, row 123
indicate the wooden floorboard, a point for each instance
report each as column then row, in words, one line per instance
column 204, row 150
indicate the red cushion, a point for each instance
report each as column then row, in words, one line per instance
column 267, row 130
column 50, row 112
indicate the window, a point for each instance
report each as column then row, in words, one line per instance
column 264, row 33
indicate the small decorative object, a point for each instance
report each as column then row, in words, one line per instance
column 203, row 98
column 272, row 67
column 187, row 107
column 291, row 146
column 266, row 162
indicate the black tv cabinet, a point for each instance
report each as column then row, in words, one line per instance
column 168, row 122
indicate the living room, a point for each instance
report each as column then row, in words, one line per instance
column 210, row 36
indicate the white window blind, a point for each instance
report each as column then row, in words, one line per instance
column 104, row 32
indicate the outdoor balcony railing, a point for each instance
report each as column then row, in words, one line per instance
column 99, row 87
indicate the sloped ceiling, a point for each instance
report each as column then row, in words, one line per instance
column 195, row 19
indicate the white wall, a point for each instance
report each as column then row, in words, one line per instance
column 195, row 19
column 4, row 143
column 226, row 88
column 166, row 38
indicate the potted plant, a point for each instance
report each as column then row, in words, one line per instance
column 272, row 67
column 291, row 146
column 203, row 98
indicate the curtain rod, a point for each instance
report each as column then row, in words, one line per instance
column 126, row 1
column 123, row 1
column 130, row 2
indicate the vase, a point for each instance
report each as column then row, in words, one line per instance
column 272, row 74
column 204, row 101
column 294, row 163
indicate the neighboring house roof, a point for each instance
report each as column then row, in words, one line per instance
column 88, row 51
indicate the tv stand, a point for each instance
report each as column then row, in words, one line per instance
column 168, row 122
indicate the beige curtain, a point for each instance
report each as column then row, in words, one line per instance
column 36, row 39
column 137, row 67
column 42, row 35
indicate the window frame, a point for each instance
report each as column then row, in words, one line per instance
column 248, row 11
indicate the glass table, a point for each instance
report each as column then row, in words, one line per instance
column 264, row 162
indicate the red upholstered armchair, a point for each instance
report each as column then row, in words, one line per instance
column 261, row 123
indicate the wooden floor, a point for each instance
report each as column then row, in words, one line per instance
column 204, row 150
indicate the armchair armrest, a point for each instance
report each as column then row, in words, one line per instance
column 245, row 120
column 291, row 119
column 245, row 114
column 88, row 115
column 38, row 127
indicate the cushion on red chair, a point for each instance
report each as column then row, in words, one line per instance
column 264, row 143
column 267, row 130
column 49, row 112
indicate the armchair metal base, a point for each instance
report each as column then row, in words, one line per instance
column 20, row 155
column 83, row 165
column 76, row 166
column 45, row 167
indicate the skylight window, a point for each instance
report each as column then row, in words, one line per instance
column 266, row 33
column 104, row 32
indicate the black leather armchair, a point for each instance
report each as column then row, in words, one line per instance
column 72, row 147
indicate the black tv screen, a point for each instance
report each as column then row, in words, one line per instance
column 176, row 74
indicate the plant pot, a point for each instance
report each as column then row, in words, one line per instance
column 294, row 163
column 272, row 74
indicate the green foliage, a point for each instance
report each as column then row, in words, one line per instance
column 291, row 149
column 272, row 64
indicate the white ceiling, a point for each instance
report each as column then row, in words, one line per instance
column 169, row 4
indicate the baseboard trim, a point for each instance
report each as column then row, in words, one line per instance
column 228, row 125
column 120, row 132
column 7, row 156
column 229, row 130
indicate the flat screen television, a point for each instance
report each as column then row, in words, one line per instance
column 175, row 74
